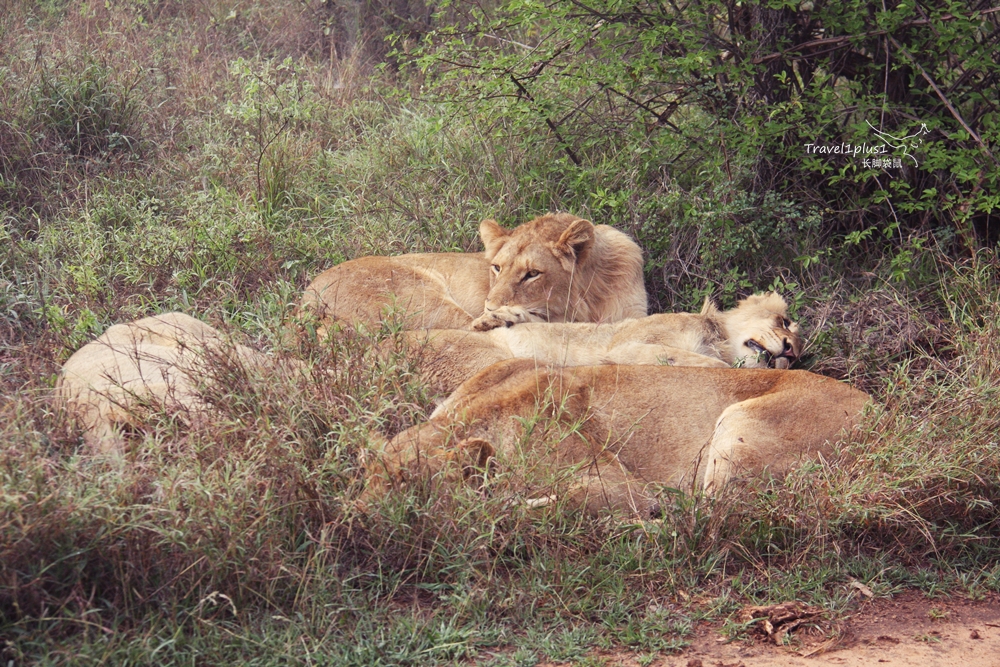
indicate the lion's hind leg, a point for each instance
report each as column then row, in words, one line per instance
column 779, row 429
column 597, row 485
column 738, row 445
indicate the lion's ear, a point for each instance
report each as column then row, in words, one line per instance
column 493, row 236
column 577, row 239
column 478, row 451
column 770, row 300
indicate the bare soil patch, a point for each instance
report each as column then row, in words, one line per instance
column 907, row 631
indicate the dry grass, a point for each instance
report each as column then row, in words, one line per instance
column 249, row 513
column 235, row 537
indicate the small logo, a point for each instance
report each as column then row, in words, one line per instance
column 885, row 152
column 902, row 144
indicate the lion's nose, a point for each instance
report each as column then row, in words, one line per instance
column 786, row 348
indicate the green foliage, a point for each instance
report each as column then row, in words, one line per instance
column 92, row 111
column 227, row 174
column 272, row 101
column 728, row 104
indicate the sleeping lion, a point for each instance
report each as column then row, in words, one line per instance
column 159, row 360
column 600, row 437
column 755, row 334
column 155, row 362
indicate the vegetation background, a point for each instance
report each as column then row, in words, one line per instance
column 211, row 156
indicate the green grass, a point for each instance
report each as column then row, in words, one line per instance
column 237, row 538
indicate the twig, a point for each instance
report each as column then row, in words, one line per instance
column 548, row 121
column 539, row 65
column 944, row 100
column 662, row 118
column 839, row 41
column 593, row 12
column 504, row 40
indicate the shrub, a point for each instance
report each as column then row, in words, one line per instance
column 732, row 95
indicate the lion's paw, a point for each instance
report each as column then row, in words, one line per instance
column 501, row 317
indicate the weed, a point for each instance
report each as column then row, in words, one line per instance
column 93, row 112
column 936, row 614
column 273, row 100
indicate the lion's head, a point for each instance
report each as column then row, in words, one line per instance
column 560, row 268
column 758, row 332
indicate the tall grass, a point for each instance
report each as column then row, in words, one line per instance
column 145, row 167
column 239, row 534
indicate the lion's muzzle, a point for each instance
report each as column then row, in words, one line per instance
column 781, row 360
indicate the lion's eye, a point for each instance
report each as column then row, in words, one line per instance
column 786, row 322
column 531, row 274
column 496, row 268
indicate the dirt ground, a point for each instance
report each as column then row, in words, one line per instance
column 907, row 631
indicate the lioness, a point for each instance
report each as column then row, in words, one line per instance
column 622, row 430
column 150, row 362
column 555, row 268
column 755, row 334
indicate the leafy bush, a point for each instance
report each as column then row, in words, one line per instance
column 742, row 96
column 237, row 539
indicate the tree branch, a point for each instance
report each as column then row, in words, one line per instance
column 944, row 100
column 548, row 121
column 661, row 118
column 838, row 42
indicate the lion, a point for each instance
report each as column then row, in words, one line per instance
column 555, row 268
column 160, row 360
column 155, row 361
column 615, row 433
column 755, row 334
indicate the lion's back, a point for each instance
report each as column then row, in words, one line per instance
column 435, row 290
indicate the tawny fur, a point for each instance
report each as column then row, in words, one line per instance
column 711, row 338
column 611, row 435
column 155, row 362
column 560, row 268
column 159, row 361
column 591, row 273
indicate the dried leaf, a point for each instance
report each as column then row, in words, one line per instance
column 864, row 590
